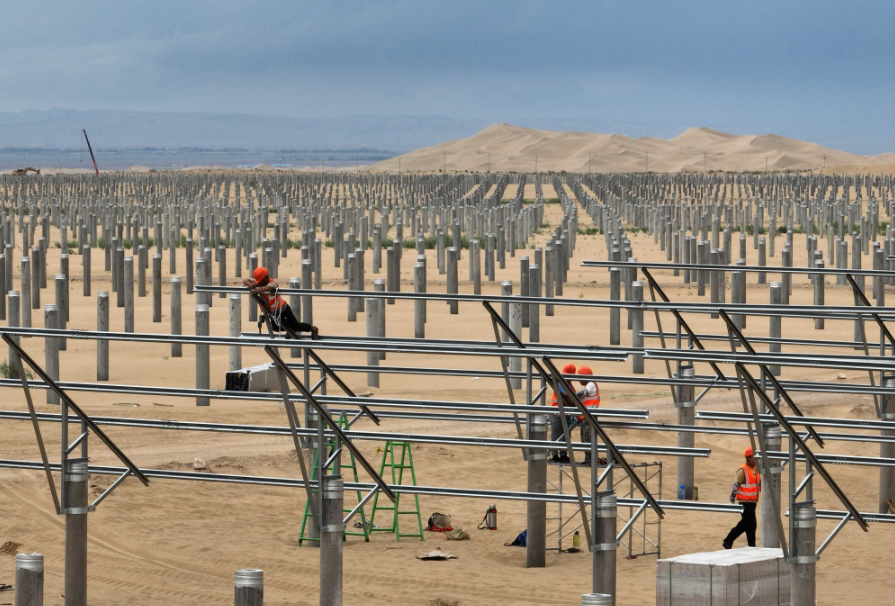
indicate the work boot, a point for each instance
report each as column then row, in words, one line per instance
column 315, row 333
column 726, row 545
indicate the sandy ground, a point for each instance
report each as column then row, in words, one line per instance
column 179, row 542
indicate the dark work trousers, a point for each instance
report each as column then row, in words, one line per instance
column 556, row 430
column 747, row 524
column 284, row 318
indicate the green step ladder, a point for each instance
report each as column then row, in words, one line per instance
column 405, row 461
column 329, row 446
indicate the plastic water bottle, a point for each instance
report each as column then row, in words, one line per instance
column 682, row 493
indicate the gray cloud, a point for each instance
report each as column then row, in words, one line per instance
column 817, row 71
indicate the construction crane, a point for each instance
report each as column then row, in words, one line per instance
column 92, row 157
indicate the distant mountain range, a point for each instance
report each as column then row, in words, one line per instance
column 108, row 129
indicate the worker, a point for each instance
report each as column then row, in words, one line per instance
column 280, row 313
column 746, row 490
column 590, row 397
column 556, row 423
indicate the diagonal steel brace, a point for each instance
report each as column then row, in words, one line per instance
column 23, row 355
column 281, row 365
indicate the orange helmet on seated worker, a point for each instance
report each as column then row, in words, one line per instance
column 568, row 369
column 260, row 274
column 585, row 370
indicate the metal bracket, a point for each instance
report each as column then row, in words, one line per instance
column 797, row 439
column 281, row 365
column 66, row 400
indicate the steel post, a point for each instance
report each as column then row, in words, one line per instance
column 332, row 531
column 770, row 536
column 248, row 587
column 637, row 327
column 157, row 288
column 536, row 547
column 887, row 449
column 203, row 365
column 75, row 506
column 686, row 415
column 29, row 579
column 235, row 331
column 803, row 582
column 603, row 524
column 102, row 345
column 176, row 315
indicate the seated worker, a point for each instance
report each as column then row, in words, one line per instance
column 281, row 315
column 556, row 423
column 590, row 397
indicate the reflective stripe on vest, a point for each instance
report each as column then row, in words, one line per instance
column 590, row 402
column 752, row 488
column 274, row 301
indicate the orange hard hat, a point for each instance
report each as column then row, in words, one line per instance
column 749, row 452
column 568, row 369
column 259, row 274
column 585, row 370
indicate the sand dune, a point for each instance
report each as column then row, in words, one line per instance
column 504, row 147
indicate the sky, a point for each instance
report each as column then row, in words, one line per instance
column 820, row 70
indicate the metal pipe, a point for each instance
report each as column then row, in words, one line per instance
column 803, row 580
column 157, row 288
column 176, row 315
column 235, row 331
column 102, row 345
column 203, row 364
column 770, row 536
column 29, row 579
column 807, row 311
column 419, row 490
column 332, row 531
column 248, row 587
column 746, row 268
column 51, row 317
column 536, row 546
column 605, row 544
column 75, row 508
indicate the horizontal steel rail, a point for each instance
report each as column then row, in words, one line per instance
column 833, row 312
column 430, row 346
column 474, row 493
column 483, row 348
column 477, row 493
column 188, row 392
column 770, row 269
column 369, row 435
column 647, row 334
column 506, row 419
column 696, row 381
column 741, row 417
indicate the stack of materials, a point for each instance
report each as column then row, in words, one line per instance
column 750, row 576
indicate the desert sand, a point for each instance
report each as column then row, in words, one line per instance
column 504, row 148
column 179, row 542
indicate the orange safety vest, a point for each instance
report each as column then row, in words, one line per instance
column 590, row 402
column 749, row 491
column 274, row 301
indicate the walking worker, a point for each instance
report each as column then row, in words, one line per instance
column 746, row 490
column 556, row 423
column 280, row 313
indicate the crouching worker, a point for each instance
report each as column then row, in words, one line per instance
column 281, row 316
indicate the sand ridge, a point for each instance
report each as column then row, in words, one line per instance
column 504, row 147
